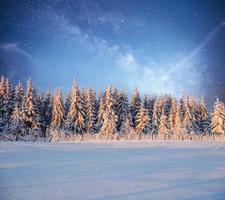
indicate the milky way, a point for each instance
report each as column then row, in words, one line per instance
column 172, row 47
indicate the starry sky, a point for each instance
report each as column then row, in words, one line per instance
column 167, row 46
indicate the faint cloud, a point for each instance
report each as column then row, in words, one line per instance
column 128, row 62
column 15, row 62
column 14, row 47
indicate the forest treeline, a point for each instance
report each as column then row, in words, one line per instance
column 26, row 114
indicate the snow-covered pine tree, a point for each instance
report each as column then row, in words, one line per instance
column 19, row 95
column 58, row 112
column 135, row 105
column 68, row 102
column 167, row 101
column 172, row 115
column 91, row 111
column 2, row 92
column 204, row 118
column 123, row 110
column 30, row 115
column 111, row 106
column 194, row 107
column 100, row 111
column 218, row 118
column 75, row 121
column 142, row 120
column 16, row 122
column 155, row 119
column 82, row 114
column 152, row 101
column 163, row 126
column 161, row 105
column 126, row 127
column 48, row 106
column 40, row 107
column 182, row 108
column 7, row 102
column 177, row 130
column 188, row 117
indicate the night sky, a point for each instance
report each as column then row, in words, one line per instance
column 170, row 46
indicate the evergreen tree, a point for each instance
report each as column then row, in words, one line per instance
column 2, row 101
column 218, row 117
column 30, row 115
column 151, row 103
column 135, row 105
column 48, row 106
column 16, row 122
column 177, row 130
column 126, row 127
column 100, row 111
column 155, row 118
column 68, row 102
column 204, row 118
column 123, row 110
column 108, row 128
column 19, row 95
column 195, row 112
column 110, row 107
column 172, row 115
column 91, row 111
column 7, row 102
column 58, row 112
column 142, row 120
column 163, row 128
column 76, row 115
column 188, row 117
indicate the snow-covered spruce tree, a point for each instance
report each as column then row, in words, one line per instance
column 48, row 109
column 173, row 112
column 204, row 118
column 151, row 103
column 188, row 118
column 110, row 108
column 135, row 104
column 90, row 111
column 40, row 107
column 19, row 95
column 218, row 118
column 30, row 114
column 16, row 122
column 82, row 118
column 2, row 91
column 142, row 120
column 108, row 129
column 163, row 127
column 67, row 103
column 177, row 129
column 172, row 115
column 100, row 111
column 155, row 119
column 75, row 121
column 167, row 103
column 58, row 112
column 123, row 110
column 126, row 128
column 7, row 103
column 160, row 105
column 183, row 106
column 194, row 107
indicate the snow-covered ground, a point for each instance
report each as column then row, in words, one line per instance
column 113, row 170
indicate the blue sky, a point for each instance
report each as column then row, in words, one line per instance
column 165, row 46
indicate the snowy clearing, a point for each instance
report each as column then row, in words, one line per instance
column 113, row 170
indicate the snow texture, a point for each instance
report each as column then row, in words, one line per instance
column 112, row 170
